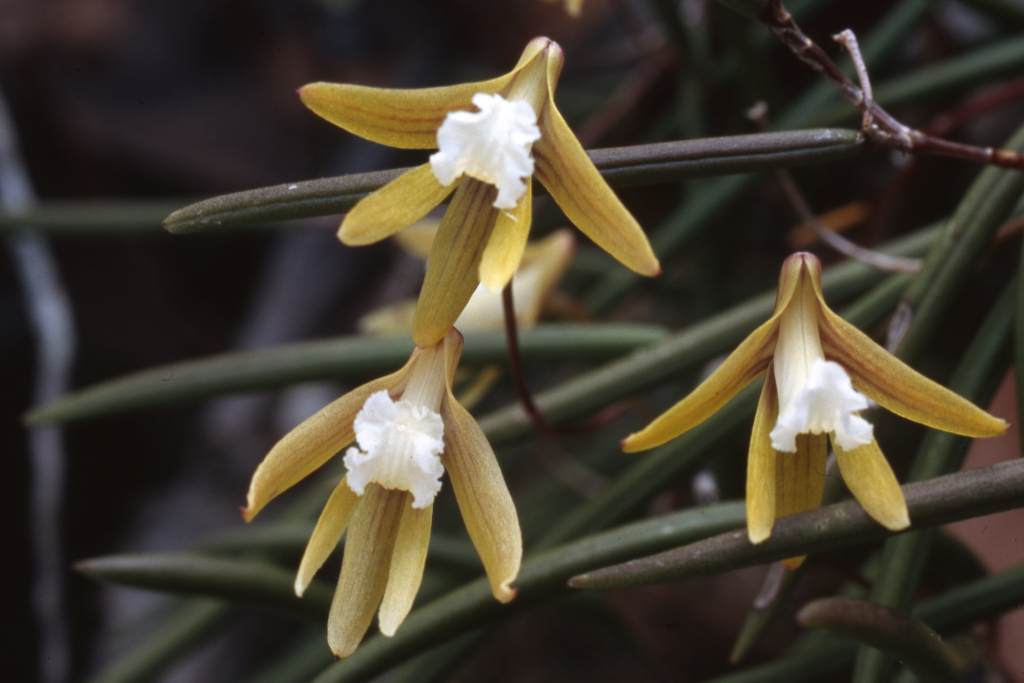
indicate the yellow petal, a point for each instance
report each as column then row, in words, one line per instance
column 364, row 567
column 397, row 205
column 398, row 118
column 407, row 562
column 761, row 465
column 895, row 386
column 504, row 251
column 744, row 365
column 310, row 445
column 800, row 476
column 454, row 264
column 326, row 534
column 575, row 184
column 871, row 481
column 800, row 480
column 483, row 498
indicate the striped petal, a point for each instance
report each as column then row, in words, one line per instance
column 328, row 531
column 896, row 386
column 397, row 205
column 566, row 171
column 761, row 465
column 484, row 500
column 870, row 479
column 407, row 562
column 740, row 368
column 504, row 250
column 310, row 445
column 454, row 264
column 800, row 480
column 800, row 476
column 408, row 119
column 364, row 567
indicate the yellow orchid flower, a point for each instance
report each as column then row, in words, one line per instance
column 820, row 372
column 487, row 157
column 409, row 430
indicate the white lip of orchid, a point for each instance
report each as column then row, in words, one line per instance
column 816, row 396
column 826, row 403
column 399, row 448
column 492, row 145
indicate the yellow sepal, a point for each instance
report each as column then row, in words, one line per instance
column 408, row 119
column 484, row 501
column 397, row 205
column 504, row 251
column 870, row 479
column 453, row 269
column 561, row 164
column 407, row 562
column 328, row 531
column 364, row 567
column 740, row 368
column 761, row 465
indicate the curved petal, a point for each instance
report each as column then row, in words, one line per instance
column 761, row 465
column 407, row 562
column 397, row 205
column 454, row 264
column 364, row 567
column 484, row 500
column 504, row 250
column 566, row 171
column 328, row 531
column 398, row 118
column 867, row 474
column 896, row 386
column 310, row 445
column 744, row 365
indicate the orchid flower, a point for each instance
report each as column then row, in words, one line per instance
column 819, row 372
column 408, row 430
column 492, row 137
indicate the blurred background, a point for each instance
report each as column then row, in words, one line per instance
column 147, row 106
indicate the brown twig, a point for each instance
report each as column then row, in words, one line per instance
column 892, row 264
column 879, row 126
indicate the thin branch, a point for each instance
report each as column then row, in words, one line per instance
column 879, row 126
column 891, row 264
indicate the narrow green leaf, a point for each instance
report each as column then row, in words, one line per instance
column 895, row 632
column 936, row 501
column 351, row 358
column 197, row 575
column 947, row 613
column 636, row 165
column 185, row 629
